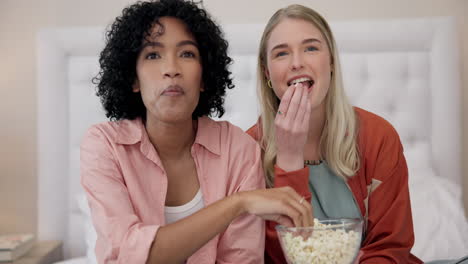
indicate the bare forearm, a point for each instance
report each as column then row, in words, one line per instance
column 175, row 242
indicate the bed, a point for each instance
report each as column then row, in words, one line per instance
column 404, row 70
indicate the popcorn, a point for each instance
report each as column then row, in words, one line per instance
column 332, row 244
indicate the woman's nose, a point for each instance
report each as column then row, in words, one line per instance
column 171, row 68
column 296, row 62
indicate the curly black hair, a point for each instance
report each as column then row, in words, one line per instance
column 124, row 41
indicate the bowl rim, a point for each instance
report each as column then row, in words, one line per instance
column 339, row 222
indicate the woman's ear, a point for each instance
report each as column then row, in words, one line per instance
column 266, row 72
column 136, row 86
column 202, row 87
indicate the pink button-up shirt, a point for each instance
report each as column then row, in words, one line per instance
column 126, row 186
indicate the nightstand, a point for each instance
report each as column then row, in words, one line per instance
column 43, row 252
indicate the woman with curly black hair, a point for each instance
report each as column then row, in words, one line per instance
column 119, row 57
column 165, row 183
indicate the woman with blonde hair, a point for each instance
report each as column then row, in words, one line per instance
column 347, row 162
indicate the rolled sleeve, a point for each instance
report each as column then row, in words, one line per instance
column 121, row 236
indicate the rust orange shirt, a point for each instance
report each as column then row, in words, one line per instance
column 380, row 188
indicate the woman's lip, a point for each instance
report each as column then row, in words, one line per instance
column 298, row 77
column 173, row 90
column 310, row 88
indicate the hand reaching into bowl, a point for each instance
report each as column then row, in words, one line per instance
column 282, row 205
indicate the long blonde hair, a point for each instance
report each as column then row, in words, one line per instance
column 338, row 142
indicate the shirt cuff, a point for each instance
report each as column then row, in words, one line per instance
column 137, row 249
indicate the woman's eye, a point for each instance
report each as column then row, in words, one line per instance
column 188, row 54
column 311, row 49
column 281, row 53
column 152, row 56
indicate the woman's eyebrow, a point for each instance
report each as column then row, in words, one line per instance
column 279, row 46
column 305, row 41
column 161, row 45
column 152, row 44
column 187, row 42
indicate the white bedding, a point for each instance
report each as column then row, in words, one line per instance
column 440, row 225
column 437, row 217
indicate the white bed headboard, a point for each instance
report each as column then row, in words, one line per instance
column 404, row 70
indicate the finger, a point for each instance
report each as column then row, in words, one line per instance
column 306, row 118
column 284, row 104
column 306, row 211
column 309, row 213
column 305, row 208
column 289, row 204
column 301, row 112
column 298, row 215
column 291, row 210
column 299, row 204
column 284, row 220
column 283, row 205
column 293, row 106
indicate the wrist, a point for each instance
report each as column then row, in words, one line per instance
column 238, row 203
column 290, row 163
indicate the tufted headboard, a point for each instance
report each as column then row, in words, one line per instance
column 404, row 70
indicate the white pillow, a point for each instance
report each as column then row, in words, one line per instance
column 90, row 232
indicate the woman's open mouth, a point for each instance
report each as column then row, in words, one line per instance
column 308, row 82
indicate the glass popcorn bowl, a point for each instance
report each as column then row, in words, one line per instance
column 328, row 241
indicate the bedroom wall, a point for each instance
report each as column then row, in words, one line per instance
column 21, row 19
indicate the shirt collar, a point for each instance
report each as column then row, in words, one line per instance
column 130, row 132
column 208, row 133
